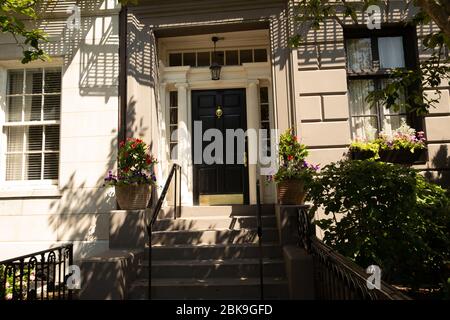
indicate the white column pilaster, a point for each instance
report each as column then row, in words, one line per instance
column 252, row 124
column 184, row 144
column 163, row 155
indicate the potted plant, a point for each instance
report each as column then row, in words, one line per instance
column 404, row 146
column 294, row 174
column 135, row 175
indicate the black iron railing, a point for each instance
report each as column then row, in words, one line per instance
column 335, row 276
column 174, row 172
column 259, row 226
column 38, row 276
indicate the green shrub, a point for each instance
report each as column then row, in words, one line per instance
column 388, row 215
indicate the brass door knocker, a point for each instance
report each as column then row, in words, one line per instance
column 219, row 112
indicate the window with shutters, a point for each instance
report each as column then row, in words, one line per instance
column 32, row 126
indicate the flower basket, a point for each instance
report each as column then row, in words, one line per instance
column 133, row 197
column 401, row 156
column 291, row 192
column 135, row 178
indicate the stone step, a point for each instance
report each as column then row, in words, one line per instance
column 216, row 236
column 215, row 252
column 213, row 222
column 207, row 269
column 211, row 289
column 228, row 211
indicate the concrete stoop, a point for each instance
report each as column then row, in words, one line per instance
column 207, row 253
column 109, row 275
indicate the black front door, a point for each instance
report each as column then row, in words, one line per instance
column 223, row 181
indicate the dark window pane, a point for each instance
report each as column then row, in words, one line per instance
column 232, row 58
column 219, row 57
column 51, row 166
column 265, row 125
column 246, row 56
column 203, row 59
column 260, row 55
column 34, row 165
column 52, row 81
column 33, row 106
column 264, row 95
column 173, row 99
column 264, row 112
column 189, row 59
column 15, row 80
column 174, row 59
column 173, row 116
column 52, row 107
column 35, row 138
column 33, row 81
column 52, row 138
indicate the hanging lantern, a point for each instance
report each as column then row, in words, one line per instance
column 215, row 66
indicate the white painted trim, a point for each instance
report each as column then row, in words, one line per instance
column 22, row 188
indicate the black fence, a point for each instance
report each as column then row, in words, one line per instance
column 38, row 276
column 335, row 276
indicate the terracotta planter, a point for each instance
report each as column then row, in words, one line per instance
column 291, row 192
column 133, row 197
column 400, row 156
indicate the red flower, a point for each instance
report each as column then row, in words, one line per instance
column 122, row 144
column 290, row 158
column 138, row 140
column 148, row 159
column 126, row 170
column 134, row 145
column 295, row 138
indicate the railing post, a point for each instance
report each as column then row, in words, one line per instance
column 70, row 246
column 259, row 225
column 174, row 171
column 149, row 232
column 175, row 195
column 179, row 193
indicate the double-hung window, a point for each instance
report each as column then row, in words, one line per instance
column 32, row 125
column 371, row 57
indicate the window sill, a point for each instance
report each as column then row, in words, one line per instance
column 36, row 193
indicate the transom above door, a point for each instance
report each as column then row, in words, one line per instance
column 224, row 181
